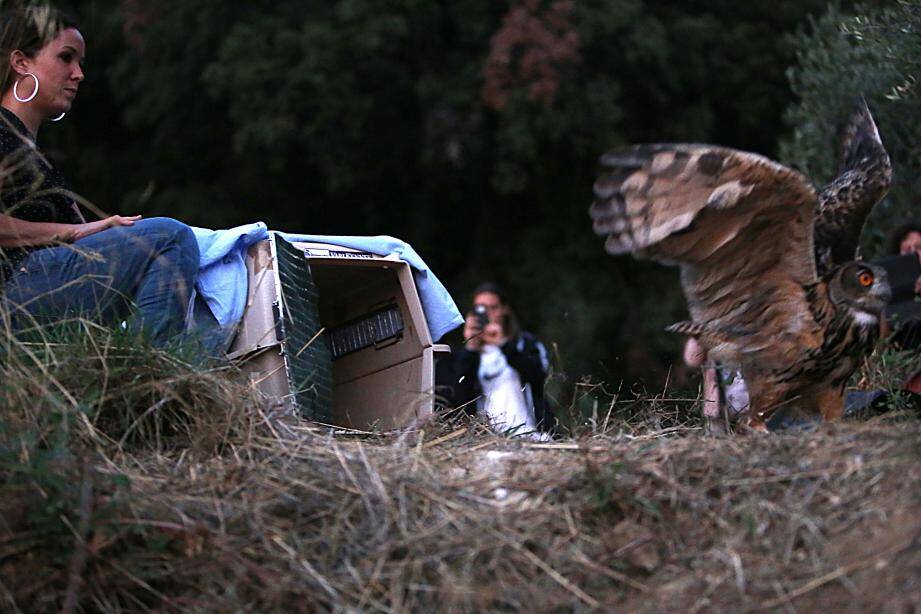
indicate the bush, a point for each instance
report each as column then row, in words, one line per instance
column 871, row 51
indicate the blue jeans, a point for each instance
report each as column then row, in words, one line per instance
column 151, row 266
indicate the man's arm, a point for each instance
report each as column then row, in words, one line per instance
column 15, row 232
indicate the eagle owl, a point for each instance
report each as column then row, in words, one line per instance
column 741, row 228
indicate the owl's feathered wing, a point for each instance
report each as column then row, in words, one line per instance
column 864, row 176
column 739, row 225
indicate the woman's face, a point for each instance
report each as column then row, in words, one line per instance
column 911, row 243
column 58, row 68
column 494, row 307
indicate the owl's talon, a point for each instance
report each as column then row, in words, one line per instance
column 756, row 425
column 715, row 426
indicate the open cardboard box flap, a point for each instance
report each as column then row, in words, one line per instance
column 382, row 352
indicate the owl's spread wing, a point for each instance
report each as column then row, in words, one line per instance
column 864, row 176
column 738, row 224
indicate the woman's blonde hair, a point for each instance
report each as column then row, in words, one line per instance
column 27, row 27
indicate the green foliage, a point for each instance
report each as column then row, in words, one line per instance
column 78, row 401
column 44, row 480
column 888, row 369
column 75, row 381
column 874, row 51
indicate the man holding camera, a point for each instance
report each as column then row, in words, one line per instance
column 500, row 370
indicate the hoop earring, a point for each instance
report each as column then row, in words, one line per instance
column 59, row 117
column 16, row 93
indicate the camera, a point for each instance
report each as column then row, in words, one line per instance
column 481, row 315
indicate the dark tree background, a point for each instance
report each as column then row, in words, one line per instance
column 470, row 129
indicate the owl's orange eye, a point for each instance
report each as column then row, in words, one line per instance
column 865, row 279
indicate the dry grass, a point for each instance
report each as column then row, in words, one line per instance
column 137, row 481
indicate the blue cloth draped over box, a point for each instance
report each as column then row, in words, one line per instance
column 222, row 276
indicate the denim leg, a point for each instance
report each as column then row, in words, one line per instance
column 151, row 265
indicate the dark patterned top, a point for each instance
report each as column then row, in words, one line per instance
column 30, row 188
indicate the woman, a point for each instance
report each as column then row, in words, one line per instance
column 500, row 371
column 53, row 263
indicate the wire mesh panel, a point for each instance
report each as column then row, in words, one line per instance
column 307, row 356
column 379, row 327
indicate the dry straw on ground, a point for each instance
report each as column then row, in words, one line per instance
column 164, row 486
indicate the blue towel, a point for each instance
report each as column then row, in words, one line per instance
column 222, row 269
column 222, row 275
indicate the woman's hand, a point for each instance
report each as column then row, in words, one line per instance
column 476, row 337
column 81, row 231
column 493, row 334
column 15, row 232
column 472, row 333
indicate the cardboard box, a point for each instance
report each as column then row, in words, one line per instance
column 336, row 335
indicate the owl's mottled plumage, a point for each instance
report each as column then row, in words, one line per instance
column 864, row 176
column 740, row 226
